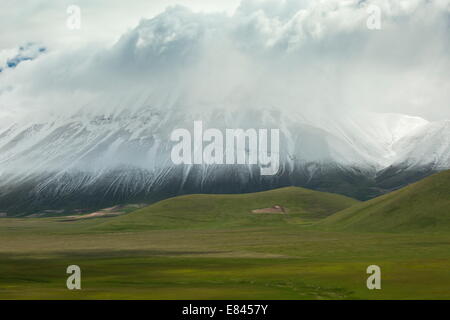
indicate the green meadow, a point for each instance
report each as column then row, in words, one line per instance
column 214, row 247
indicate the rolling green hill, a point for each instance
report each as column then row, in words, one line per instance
column 422, row 206
column 230, row 210
column 213, row 247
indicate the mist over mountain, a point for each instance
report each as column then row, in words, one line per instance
column 360, row 112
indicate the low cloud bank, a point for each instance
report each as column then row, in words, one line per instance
column 315, row 56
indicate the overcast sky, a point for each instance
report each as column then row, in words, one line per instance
column 293, row 53
column 102, row 20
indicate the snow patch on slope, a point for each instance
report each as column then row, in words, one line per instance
column 428, row 145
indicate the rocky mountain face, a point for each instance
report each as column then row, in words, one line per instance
column 87, row 160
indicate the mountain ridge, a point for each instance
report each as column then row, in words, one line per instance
column 93, row 161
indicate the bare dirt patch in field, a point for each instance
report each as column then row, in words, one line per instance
column 107, row 212
column 275, row 209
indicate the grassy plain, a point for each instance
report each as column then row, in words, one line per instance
column 213, row 247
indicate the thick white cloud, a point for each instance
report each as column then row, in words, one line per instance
column 312, row 55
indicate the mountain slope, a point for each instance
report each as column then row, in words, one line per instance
column 428, row 146
column 217, row 211
column 422, row 206
column 92, row 161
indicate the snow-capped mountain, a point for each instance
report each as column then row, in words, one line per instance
column 427, row 146
column 89, row 125
column 84, row 160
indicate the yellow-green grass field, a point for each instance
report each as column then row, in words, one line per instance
column 213, row 247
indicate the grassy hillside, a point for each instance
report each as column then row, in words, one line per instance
column 422, row 206
column 218, row 211
column 212, row 247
